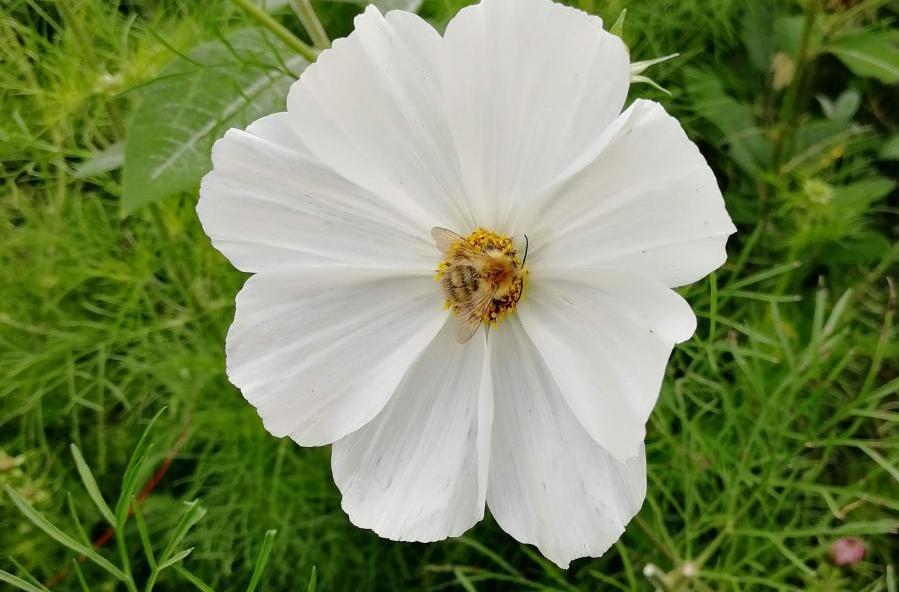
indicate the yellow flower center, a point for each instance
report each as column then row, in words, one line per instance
column 482, row 277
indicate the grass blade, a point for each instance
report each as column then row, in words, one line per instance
column 197, row 582
column 313, row 581
column 193, row 514
column 129, row 480
column 90, row 484
column 144, row 534
column 60, row 537
column 19, row 583
column 176, row 558
column 77, row 567
column 262, row 559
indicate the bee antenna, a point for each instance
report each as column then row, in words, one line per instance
column 526, row 245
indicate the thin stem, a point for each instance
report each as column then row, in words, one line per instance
column 792, row 97
column 126, row 561
column 279, row 30
column 311, row 23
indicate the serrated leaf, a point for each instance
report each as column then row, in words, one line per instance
column 225, row 83
column 874, row 54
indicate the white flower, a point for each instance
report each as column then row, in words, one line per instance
column 510, row 122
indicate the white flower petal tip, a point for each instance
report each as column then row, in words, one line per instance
column 416, row 472
column 550, row 483
column 647, row 202
column 319, row 351
column 605, row 336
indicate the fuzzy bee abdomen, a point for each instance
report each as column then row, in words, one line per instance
column 460, row 282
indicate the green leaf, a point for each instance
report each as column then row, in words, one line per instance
column 90, row 484
column 890, row 149
column 313, row 580
column 129, row 480
column 262, row 559
column 144, row 533
column 193, row 514
column 101, row 162
column 757, row 35
column 385, row 5
column 19, row 583
column 747, row 144
column 197, row 582
column 76, row 565
column 844, row 108
column 176, row 558
column 382, row 5
column 225, row 83
column 617, row 27
column 60, row 537
column 874, row 54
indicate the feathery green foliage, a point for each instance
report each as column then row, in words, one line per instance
column 777, row 429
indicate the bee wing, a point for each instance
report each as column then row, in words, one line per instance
column 471, row 315
column 444, row 238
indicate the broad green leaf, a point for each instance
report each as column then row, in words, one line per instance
column 104, row 161
column 90, row 484
column 732, row 118
column 758, row 37
column 225, row 83
column 874, row 54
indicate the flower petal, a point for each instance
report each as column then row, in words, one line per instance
column 529, row 85
column 550, row 483
column 371, row 108
column 412, row 473
column 319, row 351
column 269, row 203
column 606, row 335
column 648, row 203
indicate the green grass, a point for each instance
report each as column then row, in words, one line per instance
column 777, row 429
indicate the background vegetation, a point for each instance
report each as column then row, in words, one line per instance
column 776, row 431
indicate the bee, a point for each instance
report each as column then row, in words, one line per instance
column 482, row 278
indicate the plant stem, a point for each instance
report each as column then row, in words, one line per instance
column 792, row 98
column 311, row 23
column 279, row 30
